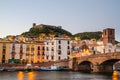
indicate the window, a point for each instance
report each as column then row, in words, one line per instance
column 3, row 56
column 52, row 49
column 47, row 57
column 59, row 47
column 59, row 58
column 38, row 53
column 52, row 57
column 38, row 47
column 68, row 42
column 47, row 48
column 13, row 47
column 92, row 48
column 21, row 51
column 68, row 47
column 68, row 52
column 27, row 54
column 32, row 48
column 52, row 43
column 43, row 53
column 4, row 51
column 59, row 42
column 43, row 48
column 59, row 52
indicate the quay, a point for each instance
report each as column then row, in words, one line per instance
column 96, row 63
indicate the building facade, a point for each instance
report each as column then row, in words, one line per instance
column 40, row 52
column 108, row 36
column 57, row 49
column 17, row 52
column 4, row 51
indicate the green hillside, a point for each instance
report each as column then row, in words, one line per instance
column 35, row 32
column 89, row 35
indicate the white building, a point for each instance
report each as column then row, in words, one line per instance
column 109, row 48
column 57, row 49
column 100, row 47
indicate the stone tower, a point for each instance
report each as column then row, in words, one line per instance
column 108, row 36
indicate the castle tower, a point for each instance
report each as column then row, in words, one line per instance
column 108, row 36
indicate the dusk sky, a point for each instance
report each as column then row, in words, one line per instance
column 17, row 16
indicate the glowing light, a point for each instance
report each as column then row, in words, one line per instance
column 20, row 75
column 115, row 75
column 86, row 52
column 11, row 38
column 77, row 38
column 21, row 39
column 31, row 75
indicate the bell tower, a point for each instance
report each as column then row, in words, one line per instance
column 108, row 36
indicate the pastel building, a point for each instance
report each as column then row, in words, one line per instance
column 31, row 52
column 40, row 52
column 17, row 52
column 105, row 45
column 84, row 47
column 4, row 51
column 57, row 49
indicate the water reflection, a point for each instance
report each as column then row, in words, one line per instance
column 31, row 75
column 63, row 75
column 115, row 75
column 114, row 78
column 20, row 75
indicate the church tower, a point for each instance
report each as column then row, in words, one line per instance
column 108, row 36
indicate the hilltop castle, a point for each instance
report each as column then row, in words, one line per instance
column 43, row 25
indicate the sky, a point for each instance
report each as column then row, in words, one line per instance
column 75, row 16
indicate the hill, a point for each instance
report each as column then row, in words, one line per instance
column 36, row 30
column 89, row 35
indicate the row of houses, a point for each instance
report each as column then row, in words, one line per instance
column 36, row 51
column 89, row 47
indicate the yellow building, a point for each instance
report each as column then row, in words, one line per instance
column 4, row 51
column 31, row 52
column 35, row 52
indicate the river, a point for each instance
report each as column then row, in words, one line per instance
column 63, row 75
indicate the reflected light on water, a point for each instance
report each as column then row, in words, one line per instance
column 115, row 75
column 31, row 75
column 20, row 75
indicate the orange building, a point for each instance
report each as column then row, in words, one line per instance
column 40, row 48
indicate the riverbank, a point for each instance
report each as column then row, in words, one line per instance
column 23, row 67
